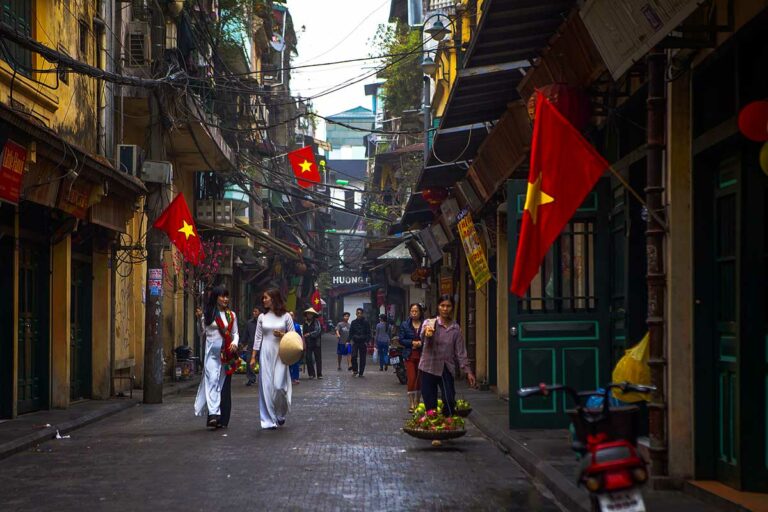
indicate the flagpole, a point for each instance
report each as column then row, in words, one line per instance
column 637, row 196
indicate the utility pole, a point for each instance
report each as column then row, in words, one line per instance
column 153, row 319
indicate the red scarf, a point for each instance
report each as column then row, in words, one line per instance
column 228, row 359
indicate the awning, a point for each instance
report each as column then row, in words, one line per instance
column 277, row 245
column 212, row 229
column 417, row 211
column 509, row 37
column 400, row 252
column 442, row 175
column 71, row 155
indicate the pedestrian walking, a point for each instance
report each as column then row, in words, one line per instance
column 343, row 346
column 312, row 337
column 443, row 348
column 410, row 338
column 274, row 377
column 218, row 326
column 296, row 367
column 382, row 343
column 359, row 334
column 250, row 333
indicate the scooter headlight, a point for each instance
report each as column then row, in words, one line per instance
column 639, row 475
column 593, row 484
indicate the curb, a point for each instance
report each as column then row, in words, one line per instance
column 45, row 434
column 570, row 496
column 110, row 408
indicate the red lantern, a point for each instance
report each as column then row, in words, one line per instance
column 570, row 101
column 435, row 197
column 753, row 121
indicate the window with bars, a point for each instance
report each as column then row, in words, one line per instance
column 566, row 280
column 17, row 14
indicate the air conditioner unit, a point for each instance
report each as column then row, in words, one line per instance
column 137, row 44
column 128, row 158
column 157, row 172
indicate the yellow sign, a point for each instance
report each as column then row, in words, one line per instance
column 478, row 265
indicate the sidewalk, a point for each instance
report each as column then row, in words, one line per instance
column 546, row 455
column 32, row 429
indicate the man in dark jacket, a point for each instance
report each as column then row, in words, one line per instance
column 359, row 335
column 250, row 334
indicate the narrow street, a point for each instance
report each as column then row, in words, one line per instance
column 341, row 449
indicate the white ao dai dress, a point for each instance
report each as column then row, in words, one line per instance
column 274, row 377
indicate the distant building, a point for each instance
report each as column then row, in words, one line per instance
column 348, row 143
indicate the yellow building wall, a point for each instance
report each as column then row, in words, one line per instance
column 69, row 109
column 101, row 305
column 130, row 282
column 61, row 281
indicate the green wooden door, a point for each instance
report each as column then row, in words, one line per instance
column 80, row 331
column 725, row 239
column 731, row 306
column 33, row 327
column 559, row 331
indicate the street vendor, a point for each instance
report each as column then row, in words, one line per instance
column 443, row 347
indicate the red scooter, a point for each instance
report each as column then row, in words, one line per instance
column 606, row 438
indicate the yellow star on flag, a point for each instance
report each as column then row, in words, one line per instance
column 535, row 197
column 187, row 229
column 306, row 166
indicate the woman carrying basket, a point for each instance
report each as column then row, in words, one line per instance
column 443, row 347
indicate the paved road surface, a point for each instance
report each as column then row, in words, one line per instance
column 341, row 449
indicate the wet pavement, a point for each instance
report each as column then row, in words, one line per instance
column 340, row 449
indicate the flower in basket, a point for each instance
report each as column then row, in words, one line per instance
column 434, row 421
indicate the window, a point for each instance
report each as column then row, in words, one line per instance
column 83, row 38
column 63, row 71
column 566, row 280
column 18, row 15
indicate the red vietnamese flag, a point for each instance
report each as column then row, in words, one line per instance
column 564, row 168
column 304, row 166
column 317, row 303
column 177, row 223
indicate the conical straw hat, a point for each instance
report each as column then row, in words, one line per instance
column 291, row 346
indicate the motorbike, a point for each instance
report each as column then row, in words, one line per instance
column 397, row 362
column 606, row 439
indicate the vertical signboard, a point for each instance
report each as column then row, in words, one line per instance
column 11, row 171
column 478, row 264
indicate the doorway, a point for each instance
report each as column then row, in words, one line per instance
column 559, row 330
column 33, row 337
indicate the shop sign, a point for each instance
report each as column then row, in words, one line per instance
column 343, row 279
column 446, row 285
column 478, row 264
column 11, row 171
column 75, row 198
